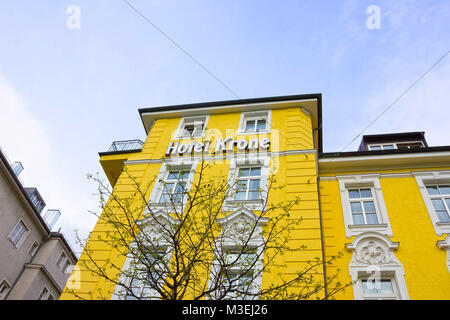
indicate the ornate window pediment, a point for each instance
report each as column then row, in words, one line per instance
column 374, row 265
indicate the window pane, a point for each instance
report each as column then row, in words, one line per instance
column 261, row 125
column 438, row 204
column 241, row 185
column 165, row 198
column 369, row 207
column 356, row 207
column 254, row 184
column 255, row 171
column 445, row 189
column 173, row 175
column 240, row 195
column 443, row 216
column 447, row 200
column 184, row 175
column 375, row 147
column 358, row 218
column 371, row 218
column 253, row 195
column 244, row 172
column 369, row 286
column 366, row 193
column 180, row 187
column 353, row 193
column 386, row 286
column 250, row 125
column 388, row 147
column 432, row 190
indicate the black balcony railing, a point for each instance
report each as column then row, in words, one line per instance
column 126, row 145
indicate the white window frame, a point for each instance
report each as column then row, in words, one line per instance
column 255, row 115
column 32, row 250
column 4, row 283
column 373, row 257
column 432, row 178
column 245, row 161
column 191, row 120
column 394, row 144
column 166, row 167
column 445, row 245
column 24, row 235
column 229, row 224
column 147, row 223
column 357, row 182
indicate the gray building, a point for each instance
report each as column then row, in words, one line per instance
column 35, row 262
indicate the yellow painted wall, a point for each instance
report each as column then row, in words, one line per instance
column 426, row 273
column 291, row 130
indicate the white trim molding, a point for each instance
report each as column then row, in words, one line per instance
column 156, row 228
column 425, row 178
column 374, row 260
column 261, row 160
column 445, row 245
column 236, row 228
column 255, row 115
column 364, row 181
column 193, row 119
column 167, row 165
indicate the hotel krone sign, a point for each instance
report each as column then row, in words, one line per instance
column 222, row 145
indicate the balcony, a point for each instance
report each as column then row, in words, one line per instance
column 113, row 160
column 126, row 146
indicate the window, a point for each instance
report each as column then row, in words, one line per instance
column 43, row 294
column 396, row 145
column 174, row 186
column 33, row 249
column 375, row 270
column 363, row 205
column 379, row 289
column 18, row 233
column 240, row 254
column 248, row 184
column 435, row 189
column 255, row 122
column 381, row 147
column 67, row 265
column 51, row 297
column 147, row 274
column 4, row 288
column 60, row 260
column 440, row 198
column 192, row 127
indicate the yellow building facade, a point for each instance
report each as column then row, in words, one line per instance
column 385, row 207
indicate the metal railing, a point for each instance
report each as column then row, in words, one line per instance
column 126, row 145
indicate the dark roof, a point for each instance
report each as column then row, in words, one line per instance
column 383, row 152
column 392, row 137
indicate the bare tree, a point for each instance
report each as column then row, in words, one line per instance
column 185, row 247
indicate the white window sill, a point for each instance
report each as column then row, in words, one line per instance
column 356, row 229
column 254, row 133
column 168, row 207
column 374, row 226
column 232, row 205
column 443, row 224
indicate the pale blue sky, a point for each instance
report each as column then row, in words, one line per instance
column 67, row 94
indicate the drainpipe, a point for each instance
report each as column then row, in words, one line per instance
column 320, row 217
column 23, row 267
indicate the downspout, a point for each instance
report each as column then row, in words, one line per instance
column 320, row 217
column 23, row 267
